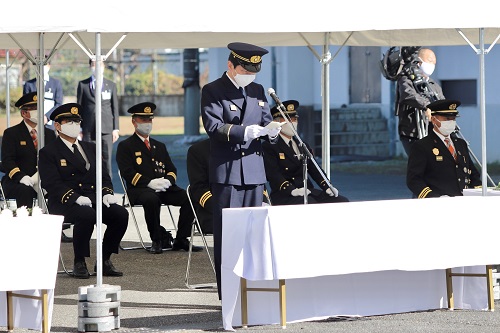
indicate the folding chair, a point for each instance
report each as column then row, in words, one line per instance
column 126, row 203
column 65, row 226
column 3, row 199
column 196, row 224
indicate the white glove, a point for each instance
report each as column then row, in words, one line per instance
column 334, row 193
column 299, row 192
column 26, row 180
column 253, row 132
column 109, row 199
column 84, row 201
column 273, row 132
column 167, row 183
column 159, row 184
column 34, row 179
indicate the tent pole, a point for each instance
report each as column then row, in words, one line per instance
column 7, row 88
column 41, row 98
column 98, row 141
column 325, row 138
column 482, row 98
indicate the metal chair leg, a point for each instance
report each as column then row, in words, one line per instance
column 196, row 224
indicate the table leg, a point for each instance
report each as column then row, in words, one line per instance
column 449, row 289
column 244, row 303
column 489, row 285
column 45, row 311
column 282, row 293
column 10, row 311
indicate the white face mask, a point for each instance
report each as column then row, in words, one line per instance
column 447, row 127
column 287, row 129
column 244, row 80
column 427, row 68
column 34, row 116
column 70, row 129
column 144, row 128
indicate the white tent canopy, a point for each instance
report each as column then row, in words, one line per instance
column 193, row 24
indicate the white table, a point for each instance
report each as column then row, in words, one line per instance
column 479, row 192
column 356, row 258
column 28, row 266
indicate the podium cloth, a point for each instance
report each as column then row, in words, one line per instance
column 28, row 269
column 356, row 258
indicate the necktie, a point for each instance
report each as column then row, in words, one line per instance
column 79, row 155
column 244, row 93
column 34, row 136
column 450, row 148
column 146, row 142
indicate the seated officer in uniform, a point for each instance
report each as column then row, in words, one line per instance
column 19, row 153
column 197, row 171
column 150, row 175
column 68, row 174
column 440, row 164
column 284, row 169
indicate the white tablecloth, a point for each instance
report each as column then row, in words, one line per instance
column 29, row 250
column 479, row 192
column 356, row 258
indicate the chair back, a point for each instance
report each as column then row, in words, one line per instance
column 2, row 194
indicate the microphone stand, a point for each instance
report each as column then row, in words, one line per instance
column 460, row 135
column 304, row 155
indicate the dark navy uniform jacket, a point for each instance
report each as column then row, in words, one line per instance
column 285, row 171
column 433, row 172
column 65, row 179
column 234, row 161
column 85, row 96
column 138, row 165
column 19, row 156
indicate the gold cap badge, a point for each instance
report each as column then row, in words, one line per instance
column 74, row 110
column 147, row 109
column 255, row 59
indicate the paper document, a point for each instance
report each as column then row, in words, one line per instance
column 275, row 124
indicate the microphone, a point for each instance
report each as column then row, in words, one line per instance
column 272, row 93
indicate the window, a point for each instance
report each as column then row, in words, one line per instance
column 463, row 90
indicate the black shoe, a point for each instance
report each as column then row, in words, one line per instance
column 166, row 244
column 66, row 239
column 108, row 269
column 183, row 244
column 156, row 248
column 80, row 270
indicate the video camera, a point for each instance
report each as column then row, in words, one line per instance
column 410, row 59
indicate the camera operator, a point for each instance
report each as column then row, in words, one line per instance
column 415, row 91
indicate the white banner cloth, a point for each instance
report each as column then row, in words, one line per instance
column 366, row 258
column 27, row 269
